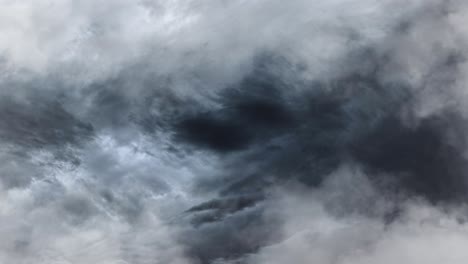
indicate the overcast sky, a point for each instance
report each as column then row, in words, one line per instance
column 233, row 132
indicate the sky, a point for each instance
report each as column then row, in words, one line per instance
column 233, row 131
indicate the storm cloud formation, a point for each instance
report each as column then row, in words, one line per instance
column 233, row 132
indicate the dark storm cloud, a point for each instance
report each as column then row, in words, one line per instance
column 237, row 125
column 360, row 118
column 240, row 233
column 421, row 158
column 357, row 118
column 233, row 132
column 39, row 124
column 33, row 126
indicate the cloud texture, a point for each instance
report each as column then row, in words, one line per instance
column 233, row 132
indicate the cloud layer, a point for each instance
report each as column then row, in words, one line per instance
column 247, row 132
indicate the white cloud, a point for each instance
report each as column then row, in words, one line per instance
column 315, row 232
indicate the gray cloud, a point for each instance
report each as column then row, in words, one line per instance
column 252, row 132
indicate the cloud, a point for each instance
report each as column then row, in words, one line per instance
column 191, row 132
column 314, row 229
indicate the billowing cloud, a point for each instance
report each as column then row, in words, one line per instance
column 197, row 132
